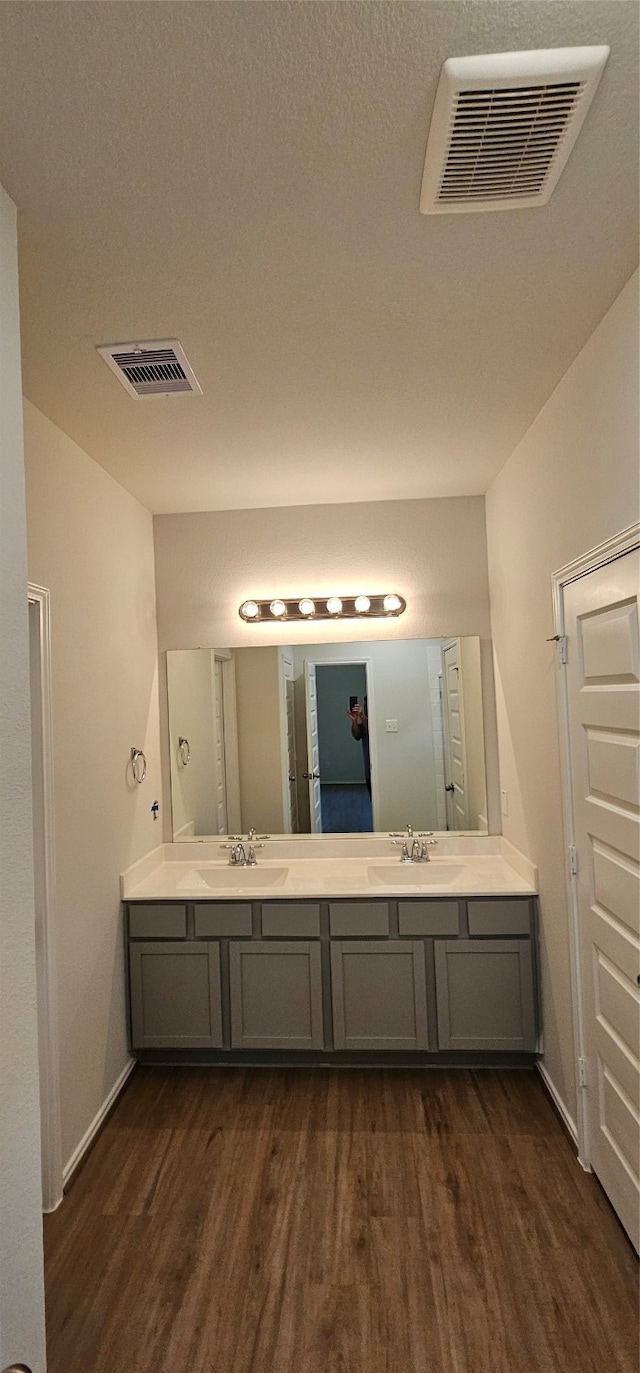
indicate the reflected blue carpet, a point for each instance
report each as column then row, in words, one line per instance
column 346, row 809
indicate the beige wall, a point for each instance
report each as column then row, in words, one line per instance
column 258, row 692
column 91, row 544
column 22, row 1333
column 571, row 483
column 190, row 685
column 433, row 552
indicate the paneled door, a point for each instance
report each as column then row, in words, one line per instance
column 603, row 683
column 222, row 824
column 312, row 773
column 457, row 806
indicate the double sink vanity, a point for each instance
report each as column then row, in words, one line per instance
column 333, row 949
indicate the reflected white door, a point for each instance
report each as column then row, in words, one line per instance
column 603, row 680
column 457, row 816
column 222, row 825
column 292, row 792
column 312, row 773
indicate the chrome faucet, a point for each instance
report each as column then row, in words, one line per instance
column 238, row 855
column 419, row 851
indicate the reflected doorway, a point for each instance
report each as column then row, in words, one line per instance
column 345, row 765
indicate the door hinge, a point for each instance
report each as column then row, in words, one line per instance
column 573, row 860
column 582, row 1072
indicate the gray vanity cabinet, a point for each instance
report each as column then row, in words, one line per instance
column 378, row 993
column 407, row 975
column 276, row 994
column 175, row 995
column 485, row 997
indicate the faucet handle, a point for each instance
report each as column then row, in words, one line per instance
column 423, row 851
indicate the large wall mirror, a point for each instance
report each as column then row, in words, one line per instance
column 327, row 738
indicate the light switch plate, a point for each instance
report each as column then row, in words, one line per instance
column 391, row 726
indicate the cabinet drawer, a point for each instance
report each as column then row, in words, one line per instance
column 222, row 918
column 499, row 917
column 428, row 917
column 291, row 919
column 157, row 922
column 358, row 917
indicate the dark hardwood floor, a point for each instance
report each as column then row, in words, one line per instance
column 337, row 1221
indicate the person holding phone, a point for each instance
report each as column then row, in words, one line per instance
column 360, row 731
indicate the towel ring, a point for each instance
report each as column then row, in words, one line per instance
column 184, row 750
column 138, row 765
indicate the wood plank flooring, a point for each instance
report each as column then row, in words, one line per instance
column 337, row 1221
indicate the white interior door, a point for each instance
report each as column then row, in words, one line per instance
column 44, row 884
column 312, row 772
column 220, row 807
column 603, row 683
column 457, row 808
column 292, row 790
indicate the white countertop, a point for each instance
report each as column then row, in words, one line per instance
column 289, row 869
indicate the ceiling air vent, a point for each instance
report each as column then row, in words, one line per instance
column 503, row 127
column 154, row 368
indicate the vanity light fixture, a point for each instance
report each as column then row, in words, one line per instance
column 392, row 604
column 250, row 610
column 323, row 608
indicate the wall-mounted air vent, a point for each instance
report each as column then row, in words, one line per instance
column 503, row 127
column 152, row 368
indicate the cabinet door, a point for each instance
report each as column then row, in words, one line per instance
column 276, row 995
column 175, row 996
column 485, row 994
column 379, row 995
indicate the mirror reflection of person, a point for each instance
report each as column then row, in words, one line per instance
column 360, row 731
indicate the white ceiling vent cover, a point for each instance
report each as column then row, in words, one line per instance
column 152, row 368
column 503, row 127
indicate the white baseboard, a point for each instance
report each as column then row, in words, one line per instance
column 89, row 1135
column 558, row 1103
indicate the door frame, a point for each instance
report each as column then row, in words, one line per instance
column 367, row 663
column 49, row 1055
column 625, row 542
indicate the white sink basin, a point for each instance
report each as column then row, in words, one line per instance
column 231, row 878
column 435, row 873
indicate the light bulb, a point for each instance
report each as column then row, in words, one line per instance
column 391, row 603
column 334, row 605
column 306, row 607
column 249, row 610
column 278, row 608
column 362, row 604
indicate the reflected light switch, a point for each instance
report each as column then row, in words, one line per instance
column 391, row 726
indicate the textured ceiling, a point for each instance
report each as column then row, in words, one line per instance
column 246, row 177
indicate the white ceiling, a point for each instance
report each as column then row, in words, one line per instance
column 246, row 177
